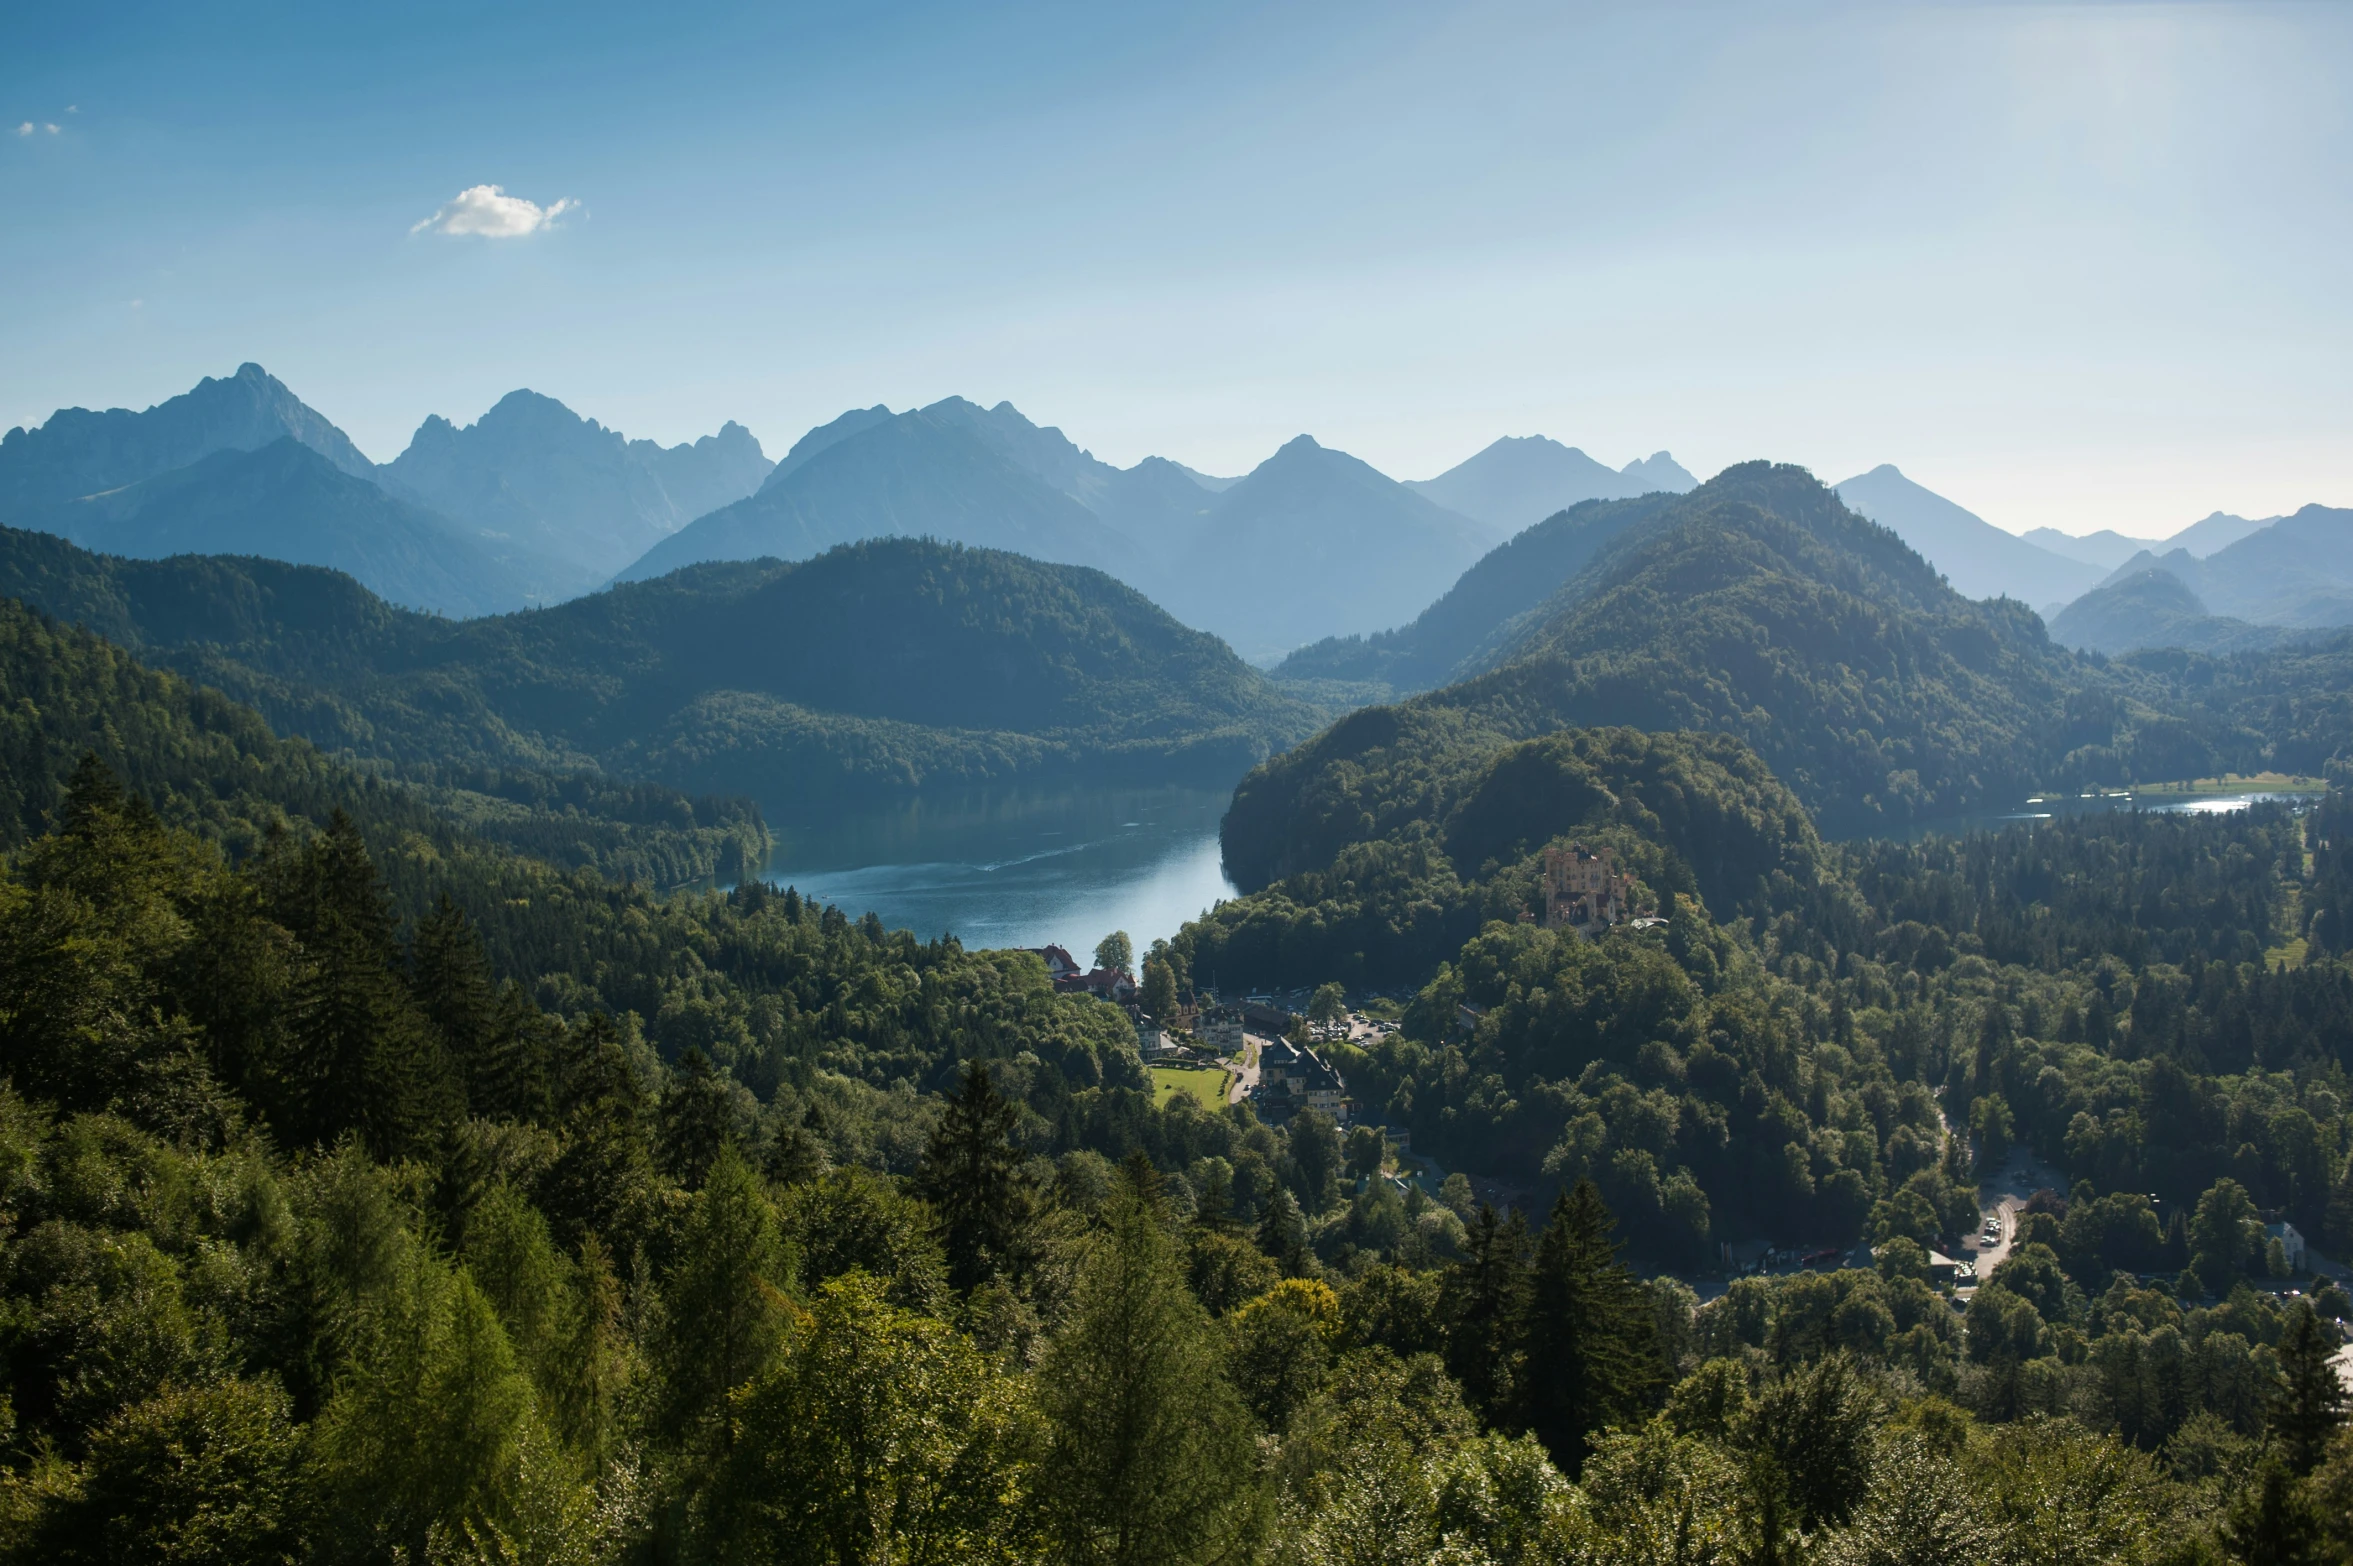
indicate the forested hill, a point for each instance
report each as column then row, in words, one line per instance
column 211, row 766
column 886, row 665
column 1760, row 606
column 1373, row 853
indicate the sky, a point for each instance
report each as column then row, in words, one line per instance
column 2077, row 266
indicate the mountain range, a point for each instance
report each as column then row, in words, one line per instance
column 2109, row 549
column 565, row 491
column 1311, row 543
column 2294, row 571
column 530, row 505
column 1978, row 558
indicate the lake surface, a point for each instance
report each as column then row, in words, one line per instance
column 1016, row 868
column 2047, row 807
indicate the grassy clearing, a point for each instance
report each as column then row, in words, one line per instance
column 1206, row 1083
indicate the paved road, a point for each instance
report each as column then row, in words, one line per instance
column 1246, row 1074
column 2003, row 1197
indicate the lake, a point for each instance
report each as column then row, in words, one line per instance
column 1014, row 868
column 2046, row 807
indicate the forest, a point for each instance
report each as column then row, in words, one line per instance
column 378, row 1187
column 880, row 668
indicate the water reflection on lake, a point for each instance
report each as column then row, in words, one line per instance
column 1016, row 869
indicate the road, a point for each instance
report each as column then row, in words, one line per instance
column 2003, row 1197
column 1246, row 1074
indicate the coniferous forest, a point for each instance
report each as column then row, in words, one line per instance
column 378, row 1186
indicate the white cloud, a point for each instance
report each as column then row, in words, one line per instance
column 26, row 129
column 489, row 211
column 51, row 129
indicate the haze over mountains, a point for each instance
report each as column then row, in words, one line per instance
column 1314, row 553
column 1522, row 479
column 568, row 492
column 1311, row 542
column 530, row 505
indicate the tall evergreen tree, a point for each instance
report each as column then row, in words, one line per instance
column 696, row 1119
column 723, row 1310
column 972, row 1175
column 2309, row 1407
column 1486, row 1300
column 1282, row 1234
column 1149, row 1458
column 1591, row 1337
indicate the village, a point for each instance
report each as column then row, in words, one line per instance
column 1283, row 1053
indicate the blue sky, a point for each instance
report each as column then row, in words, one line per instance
column 2072, row 265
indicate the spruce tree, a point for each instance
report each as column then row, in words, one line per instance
column 1591, row 1339
column 1486, row 1298
column 972, row 1175
column 1283, row 1236
column 696, row 1119
column 2309, row 1407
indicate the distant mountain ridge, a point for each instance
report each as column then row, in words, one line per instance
column 2296, row 571
column 531, row 504
column 78, row 452
column 1311, row 543
column 287, row 502
column 1978, row 558
column 1520, row 480
column 581, row 498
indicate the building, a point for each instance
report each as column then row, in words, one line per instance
column 1059, row 963
column 1220, row 1028
column 1584, row 890
column 2290, row 1241
column 1291, row 1079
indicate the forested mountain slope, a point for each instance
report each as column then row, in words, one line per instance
column 2155, row 608
column 881, row 666
column 1481, row 610
column 1760, row 606
column 212, row 766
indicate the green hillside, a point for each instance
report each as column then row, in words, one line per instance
column 882, row 666
column 210, row 765
column 1374, row 851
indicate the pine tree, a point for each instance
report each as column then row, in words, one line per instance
column 1591, row 1339
column 696, row 1119
column 972, row 1175
column 1486, row 1301
column 1283, row 1236
column 2309, row 1407
column 491, row 1034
